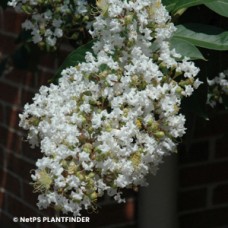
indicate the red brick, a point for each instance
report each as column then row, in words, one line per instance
column 220, row 194
column 43, row 78
column 197, row 152
column 6, row 221
column 22, row 77
column 205, row 219
column 216, row 126
column 115, row 213
column 55, row 225
column 13, row 21
column 2, row 177
column 2, row 156
column 62, row 55
column 17, row 208
column 48, row 60
column 222, row 148
column 1, row 19
column 2, row 200
column 192, row 199
column 10, row 140
column 12, row 184
column 7, row 44
column 31, row 153
column 28, row 194
column 204, row 174
column 2, row 194
column 49, row 212
column 20, row 167
column 10, row 94
column 12, row 117
column 130, row 209
column 2, row 111
column 26, row 97
column 3, row 134
column 109, row 214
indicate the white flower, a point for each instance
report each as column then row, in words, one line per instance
column 49, row 19
column 113, row 117
column 218, row 88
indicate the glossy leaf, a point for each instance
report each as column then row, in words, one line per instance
column 3, row 63
column 169, row 4
column 219, row 6
column 75, row 57
column 205, row 36
column 185, row 48
column 188, row 3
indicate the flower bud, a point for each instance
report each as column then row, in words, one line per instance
column 108, row 128
column 128, row 19
column 80, row 176
column 83, row 119
column 188, row 81
column 130, row 43
column 91, row 175
column 72, row 168
column 64, row 164
column 136, row 159
column 150, row 122
column 138, row 123
column 41, row 44
column 154, row 126
column 103, row 74
column 34, row 121
column 85, row 18
column 159, row 134
column 177, row 73
column 27, row 9
column 93, row 196
column 87, row 147
column 97, row 150
column 125, row 112
column 82, row 138
column 179, row 90
column 135, row 80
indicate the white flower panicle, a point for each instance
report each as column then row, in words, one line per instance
column 51, row 20
column 112, row 118
column 218, row 89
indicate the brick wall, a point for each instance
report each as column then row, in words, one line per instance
column 203, row 158
column 203, row 174
column 16, row 158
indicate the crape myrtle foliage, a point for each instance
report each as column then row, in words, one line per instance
column 218, row 89
column 112, row 118
column 50, row 20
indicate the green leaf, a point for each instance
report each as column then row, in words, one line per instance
column 185, row 48
column 205, row 36
column 188, row 3
column 75, row 57
column 219, row 6
column 169, row 4
column 3, row 64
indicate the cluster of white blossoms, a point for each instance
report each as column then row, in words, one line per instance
column 218, row 88
column 111, row 119
column 51, row 20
